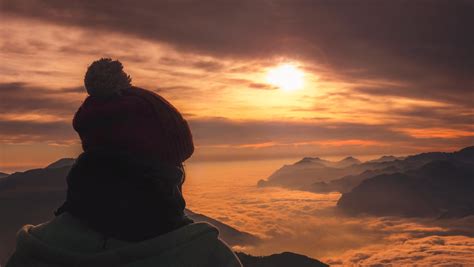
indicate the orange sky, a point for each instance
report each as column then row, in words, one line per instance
column 362, row 108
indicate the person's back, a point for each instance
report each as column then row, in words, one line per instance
column 67, row 242
column 124, row 204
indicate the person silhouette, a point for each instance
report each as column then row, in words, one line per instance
column 124, row 204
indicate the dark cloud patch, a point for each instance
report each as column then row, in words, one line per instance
column 34, row 131
column 19, row 97
column 74, row 90
column 464, row 98
column 176, row 87
column 432, row 117
column 223, row 139
column 261, row 86
column 218, row 131
column 206, row 65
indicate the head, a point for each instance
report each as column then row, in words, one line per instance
column 120, row 117
column 131, row 171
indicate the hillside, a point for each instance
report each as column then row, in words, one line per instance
column 442, row 188
column 285, row 259
column 322, row 176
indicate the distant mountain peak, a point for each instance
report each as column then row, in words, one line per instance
column 311, row 160
column 347, row 161
column 349, row 158
column 385, row 158
column 469, row 148
column 61, row 163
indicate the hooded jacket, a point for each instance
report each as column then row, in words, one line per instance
column 65, row 241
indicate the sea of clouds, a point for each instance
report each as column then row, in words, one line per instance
column 310, row 224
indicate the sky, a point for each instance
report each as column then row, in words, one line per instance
column 377, row 77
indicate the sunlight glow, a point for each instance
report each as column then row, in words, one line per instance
column 286, row 77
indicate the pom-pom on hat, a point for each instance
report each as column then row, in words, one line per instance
column 106, row 77
column 117, row 116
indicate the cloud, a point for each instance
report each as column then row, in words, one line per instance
column 346, row 109
column 18, row 97
column 415, row 241
column 225, row 139
column 222, row 131
column 262, row 86
column 308, row 223
column 201, row 64
column 427, row 92
column 425, row 45
column 427, row 251
column 36, row 114
column 31, row 131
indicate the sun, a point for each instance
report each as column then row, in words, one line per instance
column 286, row 77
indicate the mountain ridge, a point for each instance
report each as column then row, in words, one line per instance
column 283, row 259
column 441, row 188
column 324, row 179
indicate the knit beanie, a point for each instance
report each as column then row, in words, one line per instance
column 117, row 116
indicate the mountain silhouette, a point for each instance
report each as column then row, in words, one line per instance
column 386, row 159
column 314, row 174
column 441, row 188
column 61, row 163
column 284, row 259
column 2, row 174
column 347, row 183
column 347, row 162
column 304, row 173
column 322, row 176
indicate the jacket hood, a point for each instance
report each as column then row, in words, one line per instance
column 66, row 242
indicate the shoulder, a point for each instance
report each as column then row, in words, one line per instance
column 223, row 255
column 64, row 231
column 200, row 242
column 220, row 254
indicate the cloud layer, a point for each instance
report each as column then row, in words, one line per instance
column 380, row 78
column 308, row 223
column 424, row 46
